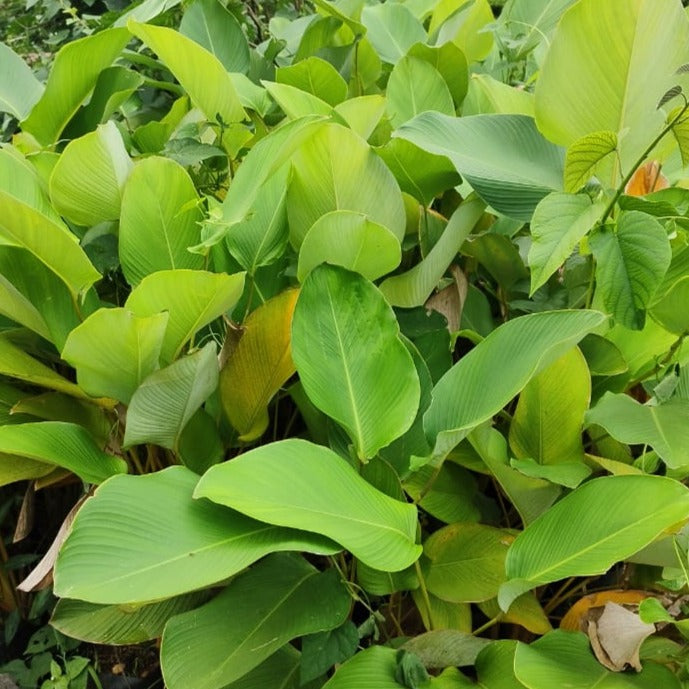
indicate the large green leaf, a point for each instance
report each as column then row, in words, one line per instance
column 631, row 260
column 351, row 362
column 211, row 25
column 415, row 86
column 602, row 522
column 280, row 598
column 607, row 68
column 392, row 29
column 13, row 468
column 466, row 562
column 62, row 444
column 159, row 220
column 259, row 365
column 119, row 624
column 664, row 427
column 49, row 241
column 201, row 74
column 160, row 542
column 558, row 223
column 166, row 400
column 350, row 240
column 498, row 368
column 504, row 157
column 298, row 484
column 375, row 668
column 315, row 76
column 584, row 157
column 450, row 61
column 72, row 77
column 415, row 286
column 19, row 88
column 549, row 418
column 488, row 95
column 87, row 181
column 564, row 659
column 337, row 170
column 192, row 299
column 113, row 351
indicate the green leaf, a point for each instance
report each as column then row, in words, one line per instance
column 466, row 562
column 19, row 88
column 14, row 469
column 374, row 667
column 602, row 522
column 166, row 400
column 212, row 26
column 558, row 224
column 596, row 78
column 296, row 483
column 159, row 220
column 280, row 671
column 631, row 260
column 563, row 658
column 392, row 29
column 294, row 102
column 504, row 157
column 443, row 648
column 664, row 427
column 414, row 87
column 259, row 365
column 362, row 114
column 280, row 598
column 415, row 286
column 117, row 368
column 449, row 60
column 119, row 624
column 583, row 157
column 602, row 356
column 488, row 95
column 350, row 360
column 16, row 363
column 419, row 173
column 315, row 76
column 548, row 421
column 488, row 380
column 566, row 473
column 669, row 310
column 192, row 299
column 62, row 444
column 72, row 77
column 201, row 74
column 87, row 181
column 466, row 28
column 49, row 241
column 350, row 240
column 160, row 542
column 495, row 666
column 337, row 170
column 680, row 130
column 320, row 651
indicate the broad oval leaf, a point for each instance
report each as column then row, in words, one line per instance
column 192, row 299
column 608, row 66
column 87, row 181
column 558, row 223
column 279, row 599
column 259, row 365
column 120, row 624
column 19, row 88
column 296, row 483
column 583, row 157
column 315, row 76
column 215, row 28
column 631, row 260
column 415, row 286
column 504, row 157
column 131, row 354
column 159, row 220
column 602, row 522
column 72, row 77
column 166, row 400
column 65, row 445
column 162, row 543
column 485, row 380
column 337, row 170
column 200, row 73
column 665, row 427
column 392, row 30
column 351, row 362
column 350, row 240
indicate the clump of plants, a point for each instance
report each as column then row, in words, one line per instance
column 366, row 341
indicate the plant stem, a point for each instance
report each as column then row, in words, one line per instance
column 424, row 594
column 491, row 623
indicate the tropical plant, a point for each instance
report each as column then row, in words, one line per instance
column 366, row 342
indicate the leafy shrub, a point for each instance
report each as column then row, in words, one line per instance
column 371, row 337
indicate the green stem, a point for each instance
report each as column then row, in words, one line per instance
column 491, row 623
column 424, row 594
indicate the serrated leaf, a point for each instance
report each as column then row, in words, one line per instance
column 584, row 155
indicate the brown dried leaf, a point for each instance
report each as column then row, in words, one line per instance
column 25, row 518
column 449, row 302
column 646, row 179
column 576, row 619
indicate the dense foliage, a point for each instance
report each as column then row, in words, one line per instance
column 359, row 333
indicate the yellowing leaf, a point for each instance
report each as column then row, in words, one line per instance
column 259, row 365
column 646, row 179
